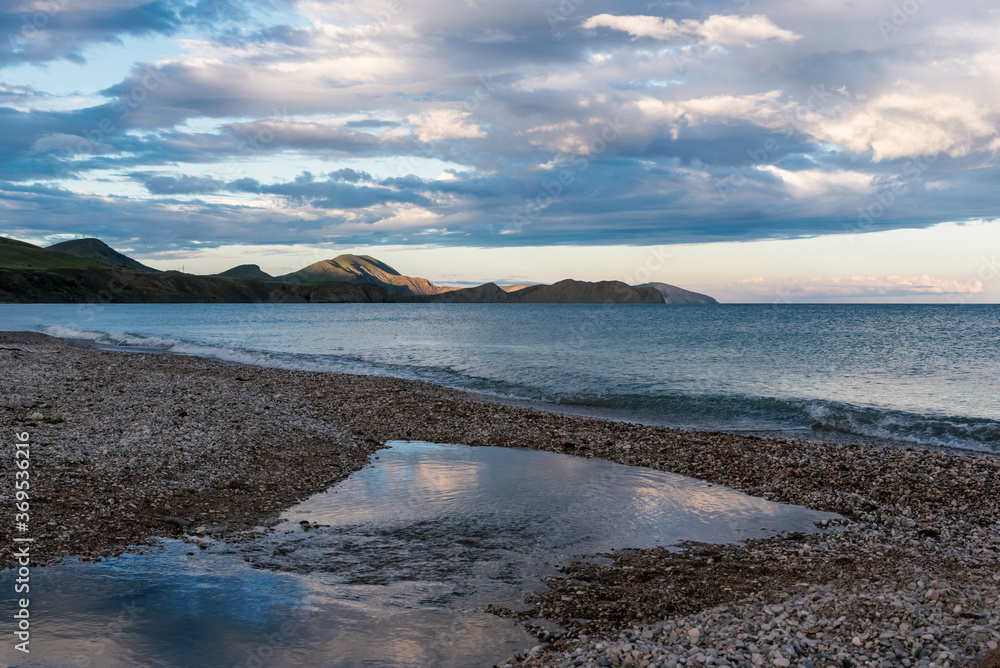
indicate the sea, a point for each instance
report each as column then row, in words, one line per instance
column 924, row 375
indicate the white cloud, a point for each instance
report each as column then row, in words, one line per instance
column 716, row 29
column 906, row 122
column 909, row 122
column 437, row 124
column 767, row 110
column 858, row 286
column 808, row 183
column 70, row 144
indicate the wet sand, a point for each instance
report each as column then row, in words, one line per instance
column 125, row 446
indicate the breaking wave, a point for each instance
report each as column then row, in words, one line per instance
column 696, row 411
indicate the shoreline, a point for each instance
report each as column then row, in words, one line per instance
column 144, row 444
column 636, row 416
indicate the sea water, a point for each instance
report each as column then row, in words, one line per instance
column 923, row 374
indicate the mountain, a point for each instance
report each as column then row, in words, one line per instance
column 30, row 274
column 569, row 291
column 564, row 292
column 95, row 249
column 679, row 296
column 251, row 271
column 24, row 256
column 89, row 271
column 110, row 285
column 488, row 293
column 361, row 269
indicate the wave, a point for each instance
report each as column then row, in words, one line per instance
column 329, row 362
column 725, row 412
column 741, row 412
column 947, row 431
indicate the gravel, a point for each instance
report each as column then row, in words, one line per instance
column 126, row 446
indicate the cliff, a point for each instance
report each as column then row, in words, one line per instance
column 679, row 296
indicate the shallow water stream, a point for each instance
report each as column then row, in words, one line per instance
column 393, row 567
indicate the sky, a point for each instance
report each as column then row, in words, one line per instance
column 756, row 150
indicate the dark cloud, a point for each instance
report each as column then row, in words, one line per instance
column 67, row 29
column 179, row 185
column 38, row 36
column 349, row 175
column 336, row 192
column 330, row 194
column 371, row 123
column 552, row 133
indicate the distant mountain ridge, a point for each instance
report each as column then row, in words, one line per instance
column 566, row 291
column 679, row 296
column 365, row 269
column 88, row 270
column 95, row 249
column 251, row 271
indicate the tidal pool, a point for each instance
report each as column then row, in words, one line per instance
column 391, row 568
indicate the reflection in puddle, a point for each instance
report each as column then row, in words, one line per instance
column 393, row 568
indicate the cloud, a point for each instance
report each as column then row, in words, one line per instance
column 821, row 182
column 338, row 191
column 913, row 121
column 849, row 287
column 39, row 32
column 61, row 30
column 716, row 29
column 68, row 144
column 500, row 124
column 158, row 184
column 438, row 124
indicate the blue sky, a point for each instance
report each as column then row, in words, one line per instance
column 756, row 150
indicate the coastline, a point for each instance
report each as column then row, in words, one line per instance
column 133, row 445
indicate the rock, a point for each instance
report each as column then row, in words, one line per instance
column 174, row 521
column 992, row 660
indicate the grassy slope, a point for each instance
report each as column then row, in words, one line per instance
column 21, row 255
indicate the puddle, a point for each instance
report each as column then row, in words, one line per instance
column 393, row 569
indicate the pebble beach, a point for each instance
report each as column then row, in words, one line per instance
column 126, row 446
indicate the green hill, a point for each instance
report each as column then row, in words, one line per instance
column 95, row 249
column 361, row 269
column 21, row 255
column 92, row 271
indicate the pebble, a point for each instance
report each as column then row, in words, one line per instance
column 917, row 556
